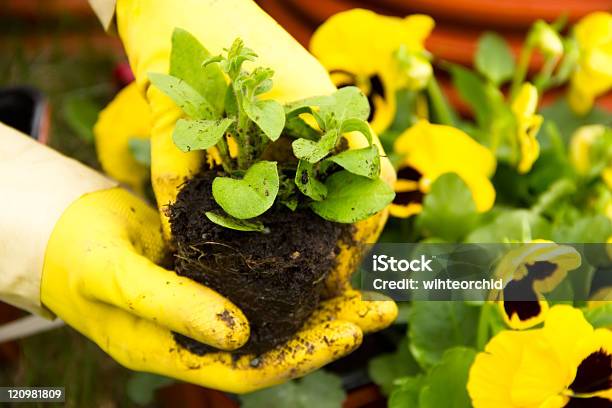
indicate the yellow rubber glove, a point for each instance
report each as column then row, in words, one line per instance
column 127, row 117
column 145, row 27
column 100, row 276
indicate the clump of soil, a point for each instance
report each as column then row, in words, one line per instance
column 274, row 278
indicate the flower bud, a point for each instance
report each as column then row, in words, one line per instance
column 546, row 39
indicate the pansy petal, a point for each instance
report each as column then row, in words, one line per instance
column 493, row 371
column 540, row 375
column 593, row 359
column 563, row 328
column 594, row 29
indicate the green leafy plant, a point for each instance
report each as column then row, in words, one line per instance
column 224, row 109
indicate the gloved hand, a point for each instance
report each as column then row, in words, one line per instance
column 100, row 276
column 145, row 27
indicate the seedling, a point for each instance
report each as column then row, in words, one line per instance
column 227, row 115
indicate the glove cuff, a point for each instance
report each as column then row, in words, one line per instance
column 37, row 184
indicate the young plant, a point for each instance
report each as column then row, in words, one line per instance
column 224, row 110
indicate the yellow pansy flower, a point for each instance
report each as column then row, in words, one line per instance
column 593, row 75
column 524, row 107
column 585, row 158
column 358, row 47
column 566, row 363
column 528, row 272
column 429, row 151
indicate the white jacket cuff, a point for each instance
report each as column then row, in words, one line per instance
column 36, row 185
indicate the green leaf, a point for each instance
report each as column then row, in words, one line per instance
column 141, row 150
column 186, row 60
column 268, row 115
column 351, row 198
column 494, row 59
column 349, row 102
column 141, row 387
column 600, row 316
column 406, row 394
column 251, row 196
column 484, row 99
column 386, row 368
column 319, row 389
column 363, row 162
column 446, row 383
column 199, row 134
column 515, row 225
column 567, row 121
column 449, row 211
column 306, row 180
column 313, row 152
column 588, row 229
column 234, row 223
column 81, row 114
column 188, row 99
column 346, row 103
column 357, row 125
column 437, row 326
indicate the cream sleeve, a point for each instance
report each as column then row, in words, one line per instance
column 36, row 185
column 105, row 10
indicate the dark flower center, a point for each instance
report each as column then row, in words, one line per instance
column 408, row 197
column 594, row 402
column 540, row 270
column 594, row 373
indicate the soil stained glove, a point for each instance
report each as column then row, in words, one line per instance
column 145, row 27
column 73, row 245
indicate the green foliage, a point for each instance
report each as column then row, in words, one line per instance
column 186, row 58
column 587, row 229
column 306, row 180
column 141, row 387
column 234, row 223
column 494, row 58
column 601, row 316
column 567, row 121
column 512, row 225
column 188, row 99
column 362, row 162
column 201, row 134
column 216, row 109
column 351, row 198
column 437, row 326
column 252, row 195
column 319, row 389
column 445, row 385
column 449, row 211
column 386, row 368
column 81, row 114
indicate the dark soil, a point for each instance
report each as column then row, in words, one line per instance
column 274, row 278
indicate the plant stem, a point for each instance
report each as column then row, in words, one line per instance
column 543, row 79
column 556, row 191
column 483, row 327
column 444, row 113
column 521, row 69
column 226, row 160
